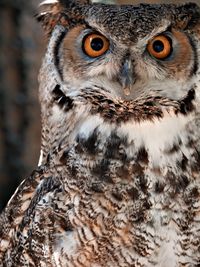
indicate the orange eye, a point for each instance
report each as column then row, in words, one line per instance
column 160, row 47
column 95, row 45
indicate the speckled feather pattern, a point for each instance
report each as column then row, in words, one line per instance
column 119, row 178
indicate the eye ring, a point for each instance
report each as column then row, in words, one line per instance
column 160, row 47
column 95, row 45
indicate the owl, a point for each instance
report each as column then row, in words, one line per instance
column 118, row 181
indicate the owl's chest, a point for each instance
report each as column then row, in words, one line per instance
column 135, row 197
column 130, row 228
column 117, row 212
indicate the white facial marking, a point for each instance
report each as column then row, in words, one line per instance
column 48, row 2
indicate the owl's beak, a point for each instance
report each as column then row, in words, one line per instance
column 127, row 77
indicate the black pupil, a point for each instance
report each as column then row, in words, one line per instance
column 158, row 46
column 97, row 44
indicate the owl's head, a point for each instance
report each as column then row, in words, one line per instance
column 131, row 70
column 128, row 51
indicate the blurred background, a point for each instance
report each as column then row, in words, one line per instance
column 22, row 45
column 21, row 48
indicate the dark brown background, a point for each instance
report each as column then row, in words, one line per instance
column 21, row 48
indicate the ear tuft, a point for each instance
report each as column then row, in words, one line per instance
column 49, row 14
column 53, row 12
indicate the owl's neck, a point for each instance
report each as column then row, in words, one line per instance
column 93, row 129
column 161, row 143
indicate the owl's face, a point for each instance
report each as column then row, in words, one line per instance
column 131, row 51
column 128, row 53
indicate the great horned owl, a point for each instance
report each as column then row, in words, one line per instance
column 119, row 176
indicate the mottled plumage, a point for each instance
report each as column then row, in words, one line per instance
column 118, row 182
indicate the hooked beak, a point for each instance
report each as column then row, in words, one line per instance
column 127, row 77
